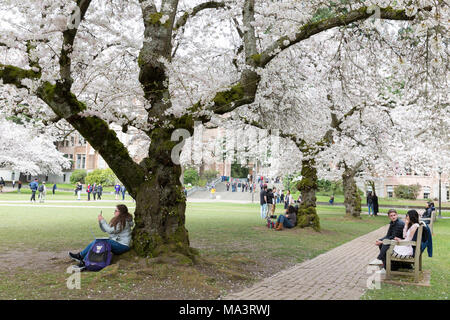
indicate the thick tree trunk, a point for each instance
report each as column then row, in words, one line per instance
column 352, row 198
column 161, row 203
column 307, row 213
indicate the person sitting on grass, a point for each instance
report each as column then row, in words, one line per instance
column 119, row 230
column 289, row 220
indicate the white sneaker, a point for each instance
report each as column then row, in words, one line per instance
column 382, row 271
column 376, row 262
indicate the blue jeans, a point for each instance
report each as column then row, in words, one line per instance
column 264, row 209
column 116, row 248
column 370, row 207
column 286, row 223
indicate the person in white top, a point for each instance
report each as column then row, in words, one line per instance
column 411, row 225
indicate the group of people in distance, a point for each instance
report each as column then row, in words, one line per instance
column 268, row 203
column 94, row 189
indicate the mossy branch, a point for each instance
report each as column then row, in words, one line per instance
column 315, row 27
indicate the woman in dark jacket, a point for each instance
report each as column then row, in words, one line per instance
column 289, row 220
column 375, row 203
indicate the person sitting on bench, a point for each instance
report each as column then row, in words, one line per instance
column 395, row 231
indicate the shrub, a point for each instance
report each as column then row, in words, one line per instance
column 407, row 192
column 78, row 175
column 191, row 176
column 210, row 175
column 106, row 177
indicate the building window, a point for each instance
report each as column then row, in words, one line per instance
column 426, row 192
column 390, row 191
column 81, row 161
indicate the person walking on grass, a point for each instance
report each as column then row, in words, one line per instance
column 54, row 188
column 42, row 192
column 123, row 190
column 99, row 192
column 119, row 231
column 33, row 186
column 117, row 190
column 19, row 186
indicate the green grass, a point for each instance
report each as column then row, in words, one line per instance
column 232, row 240
column 438, row 264
column 235, row 249
column 323, row 197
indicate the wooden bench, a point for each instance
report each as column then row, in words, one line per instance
column 416, row 260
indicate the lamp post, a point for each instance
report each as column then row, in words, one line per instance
column 440, row 172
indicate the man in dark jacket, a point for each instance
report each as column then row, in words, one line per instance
column 395, row 230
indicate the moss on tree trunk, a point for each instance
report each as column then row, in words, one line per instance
column 352, row 198
column 161, row 204
column 307, row 214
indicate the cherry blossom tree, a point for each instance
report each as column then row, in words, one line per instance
column 148, row 65
column 29, row 151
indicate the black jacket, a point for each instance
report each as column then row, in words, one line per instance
column 375, row 204
column 395, row 230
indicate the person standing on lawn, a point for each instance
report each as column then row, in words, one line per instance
column 95, row 191
column 123, row 190
column 42, row 192
column 99, row 191
column 34, row 186
column 375, row 203
column 54, row 188
column 2, row 184
column 78, row 190
column 370, row 203
column 19, row 186
column 117, row 190
column 89, row 191
column 263, row 201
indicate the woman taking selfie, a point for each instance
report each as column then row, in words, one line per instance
column 119, row 230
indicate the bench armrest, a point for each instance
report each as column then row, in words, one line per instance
column 399, row 243
column 406, row 243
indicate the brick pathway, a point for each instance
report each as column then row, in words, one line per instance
column 339, row 274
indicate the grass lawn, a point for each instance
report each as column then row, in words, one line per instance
column 236, row 249
column 321, row 197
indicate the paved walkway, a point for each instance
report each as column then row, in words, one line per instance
column 339, row 274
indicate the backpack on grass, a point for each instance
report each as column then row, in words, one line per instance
column 41, row 188
column 99, row 256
